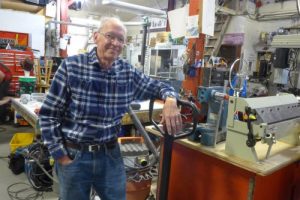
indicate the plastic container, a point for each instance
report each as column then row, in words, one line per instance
column 27, row 84
column 38, row 97
column 21, row 140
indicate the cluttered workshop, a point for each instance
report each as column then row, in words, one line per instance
column 150, row 99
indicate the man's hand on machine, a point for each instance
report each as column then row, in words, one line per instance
column 171, row 117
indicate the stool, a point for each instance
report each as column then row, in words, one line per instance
column 43, row 74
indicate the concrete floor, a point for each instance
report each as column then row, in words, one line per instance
column 19, row 182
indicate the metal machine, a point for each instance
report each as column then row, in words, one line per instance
column 214, row 108
column 264, row 119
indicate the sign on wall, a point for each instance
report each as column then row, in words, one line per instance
column 158, row 23
column 207, row 17
column 13, row 39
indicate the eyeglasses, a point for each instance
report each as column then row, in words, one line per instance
column 112, row 37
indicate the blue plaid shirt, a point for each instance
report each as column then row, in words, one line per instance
column 86, row 102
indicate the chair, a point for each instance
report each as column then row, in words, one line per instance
column 43, row 74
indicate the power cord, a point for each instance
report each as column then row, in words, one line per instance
column 38, row 168
column 23, row 191
column 2, row 157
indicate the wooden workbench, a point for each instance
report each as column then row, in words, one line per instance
column 208, row 173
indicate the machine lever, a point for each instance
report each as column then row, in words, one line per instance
column 251, row 140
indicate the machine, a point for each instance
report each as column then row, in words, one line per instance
column 214, row 108
column 265, row 119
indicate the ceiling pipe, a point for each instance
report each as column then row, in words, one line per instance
column 92, row 26
column 134, row 7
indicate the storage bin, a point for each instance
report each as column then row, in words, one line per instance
column 20, row 140
column 27, row 84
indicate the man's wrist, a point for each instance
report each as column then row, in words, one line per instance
column 171, row 98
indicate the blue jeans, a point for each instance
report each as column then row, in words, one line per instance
column 103, row 170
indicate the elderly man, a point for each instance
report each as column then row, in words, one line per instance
column 82, row 113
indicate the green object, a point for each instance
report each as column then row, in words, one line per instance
column 27, row 79
column 27, row 85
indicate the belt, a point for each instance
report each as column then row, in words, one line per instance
column 91, row 147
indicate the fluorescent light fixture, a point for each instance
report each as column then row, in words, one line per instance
column 133, row 7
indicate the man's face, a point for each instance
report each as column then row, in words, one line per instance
column 110, row 41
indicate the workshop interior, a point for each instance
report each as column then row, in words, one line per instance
column 235, row 65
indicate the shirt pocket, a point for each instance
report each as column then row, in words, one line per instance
column 122, row 87
column 80, row 92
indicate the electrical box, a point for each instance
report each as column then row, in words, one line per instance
column 280, row 76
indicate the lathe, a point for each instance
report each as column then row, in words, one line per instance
column 263, row 119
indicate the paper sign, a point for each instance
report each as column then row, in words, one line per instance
column 178, row 21
column 63, row 43
column 192, row 27
column 51, row 9
column 208, row 17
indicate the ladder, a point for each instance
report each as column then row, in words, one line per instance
column 213, row 43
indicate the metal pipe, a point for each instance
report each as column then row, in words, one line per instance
column 71, row 24
column 133, row 7
column 145, row 135
column 143, row 54
column 92, row 26
column 57, row 33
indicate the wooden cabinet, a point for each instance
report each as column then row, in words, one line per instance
column 197, row 176
column 207, row 173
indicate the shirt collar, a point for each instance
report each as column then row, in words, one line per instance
column 93, row 60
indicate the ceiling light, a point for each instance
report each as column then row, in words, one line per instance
column 134, row 7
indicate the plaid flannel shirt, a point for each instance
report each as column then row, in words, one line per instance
column 86, row 103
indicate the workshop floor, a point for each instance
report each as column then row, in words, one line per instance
column 11, row 183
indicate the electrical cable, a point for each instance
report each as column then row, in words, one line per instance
column 2, row 157
column 38, row 168
column 23, row 193
column 2, row 129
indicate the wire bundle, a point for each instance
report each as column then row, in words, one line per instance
column 38, row 168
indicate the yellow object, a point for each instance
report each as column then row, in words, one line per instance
column 252, row 117
column 51, row 160
column 21, row 140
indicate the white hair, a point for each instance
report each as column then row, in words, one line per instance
column 105, row 20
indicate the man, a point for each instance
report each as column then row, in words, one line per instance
column 82, row 114
column 5, row 79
